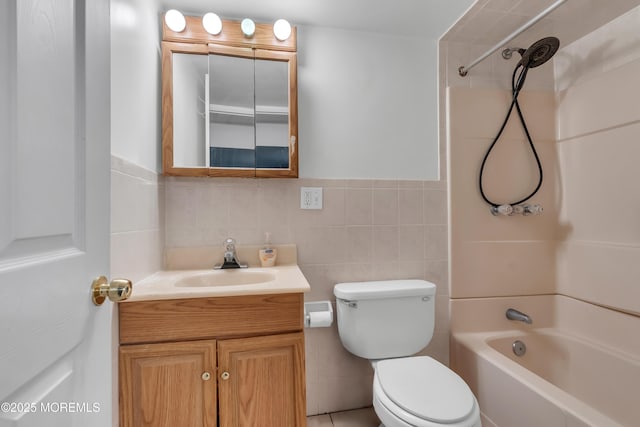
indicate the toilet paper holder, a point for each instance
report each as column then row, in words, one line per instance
column 318, row 314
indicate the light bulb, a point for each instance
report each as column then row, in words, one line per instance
column 212, row 23
column 175, row 20
column 282, row 29
column 248, row 27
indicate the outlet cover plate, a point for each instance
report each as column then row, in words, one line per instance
column 310, row 197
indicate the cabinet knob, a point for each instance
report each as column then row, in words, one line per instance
column 206, row 376
column 225, row 375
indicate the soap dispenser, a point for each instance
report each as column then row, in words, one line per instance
column 268, row 253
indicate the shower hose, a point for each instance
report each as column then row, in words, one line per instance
column 517, row 82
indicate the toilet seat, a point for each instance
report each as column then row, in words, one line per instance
column 422, row 392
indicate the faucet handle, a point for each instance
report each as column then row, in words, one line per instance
column 229, row 244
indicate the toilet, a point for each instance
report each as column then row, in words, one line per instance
column 387, row 322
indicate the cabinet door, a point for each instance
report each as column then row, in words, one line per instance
column 168, row 385
column 261, row 381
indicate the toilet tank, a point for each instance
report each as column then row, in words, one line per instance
column 385, row 319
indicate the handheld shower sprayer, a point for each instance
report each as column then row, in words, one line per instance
column 536, row 55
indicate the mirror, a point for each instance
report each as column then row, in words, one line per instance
column 272, row 114
column 231, row 117
column 189, row 130
column 229, row 110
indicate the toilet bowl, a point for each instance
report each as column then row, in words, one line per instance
column 421, row 392
column 387, row 322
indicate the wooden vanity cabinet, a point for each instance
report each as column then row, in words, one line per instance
column 264, row 381
column 216, row 372
column 168, row 384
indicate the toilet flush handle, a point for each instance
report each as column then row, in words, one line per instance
column 350, row 304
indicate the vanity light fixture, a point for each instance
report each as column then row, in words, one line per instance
column 175, row 20
column 248, row 27
column 212, row 23
column 282, row 29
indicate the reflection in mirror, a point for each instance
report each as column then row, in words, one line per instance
column 272, row 114
column 231, row 113
column 189, row 107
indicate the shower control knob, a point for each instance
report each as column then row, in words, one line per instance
column 518, row 210
column 502, row 210
column 532, row 210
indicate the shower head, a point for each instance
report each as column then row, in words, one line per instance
column 539, row 52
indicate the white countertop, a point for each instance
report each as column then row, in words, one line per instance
column 161, row 285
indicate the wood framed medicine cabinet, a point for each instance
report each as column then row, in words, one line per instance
column 229, row 102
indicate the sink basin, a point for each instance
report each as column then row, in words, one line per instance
column 228, row 277
column 206, row 283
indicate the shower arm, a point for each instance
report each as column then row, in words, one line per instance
column 463, row 70
column 507, row 53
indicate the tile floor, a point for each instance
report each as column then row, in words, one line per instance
column 365, row 417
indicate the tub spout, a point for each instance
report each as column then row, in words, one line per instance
column 513, row 314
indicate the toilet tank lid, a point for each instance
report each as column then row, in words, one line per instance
column 383, row 289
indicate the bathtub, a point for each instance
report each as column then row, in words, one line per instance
column 581, row 366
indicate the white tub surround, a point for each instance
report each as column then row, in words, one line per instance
column 580, row 366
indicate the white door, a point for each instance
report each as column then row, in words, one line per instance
column 55, row 345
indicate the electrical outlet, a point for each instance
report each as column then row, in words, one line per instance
column 310, row 197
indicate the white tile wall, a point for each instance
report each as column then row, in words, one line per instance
column 136, row 221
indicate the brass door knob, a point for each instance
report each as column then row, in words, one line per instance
column 117, row 290
column 225, row 375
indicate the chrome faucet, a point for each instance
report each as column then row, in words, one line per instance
column 230, row 256
column 513, row 314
